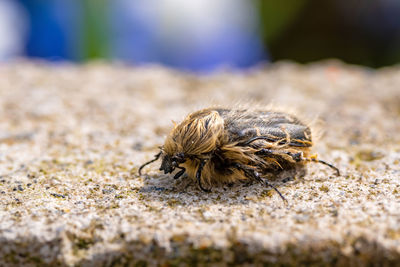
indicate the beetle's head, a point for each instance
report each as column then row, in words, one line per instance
column 170, row 162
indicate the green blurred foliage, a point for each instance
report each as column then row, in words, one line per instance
column 96, row 26
column 276, row 16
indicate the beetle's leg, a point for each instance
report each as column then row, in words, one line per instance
column 251, row 140
column 156, row 157
column 249, row 172
column 180, row 173
column 266, row 152
column 276, row 189
column 272, row 156
column 198, row 175
column 298, row 157
column 272, row 139
column 253, row 174
column 323, row 162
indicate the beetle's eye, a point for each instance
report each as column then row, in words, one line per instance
column 180, row 157
column 174, row 164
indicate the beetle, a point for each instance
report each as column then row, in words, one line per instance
column 220, row 145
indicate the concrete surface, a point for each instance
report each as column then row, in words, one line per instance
column 72, row 139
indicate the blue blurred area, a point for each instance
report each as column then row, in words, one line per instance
column 142, row 31
column 186, row 38
column 12, row 30
column 53, row 29
column 201, row 35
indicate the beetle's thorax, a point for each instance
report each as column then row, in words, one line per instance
column 199, row 133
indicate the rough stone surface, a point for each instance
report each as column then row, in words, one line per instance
column 72, row 139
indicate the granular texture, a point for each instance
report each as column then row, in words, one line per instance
column 72, row 139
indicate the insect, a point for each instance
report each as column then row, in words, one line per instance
column 217, row 145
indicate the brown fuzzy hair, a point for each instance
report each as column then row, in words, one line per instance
column 217, row 145
column 204, row 131
column 197, row 134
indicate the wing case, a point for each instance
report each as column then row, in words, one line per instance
column 269, row 125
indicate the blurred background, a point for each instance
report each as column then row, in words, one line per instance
column 201, row 35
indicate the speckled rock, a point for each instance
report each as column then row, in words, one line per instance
column 72, row 139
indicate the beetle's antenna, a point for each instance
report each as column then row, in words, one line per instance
column 156, row 157
column 325, row 163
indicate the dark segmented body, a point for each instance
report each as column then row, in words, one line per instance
column 273, row 126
